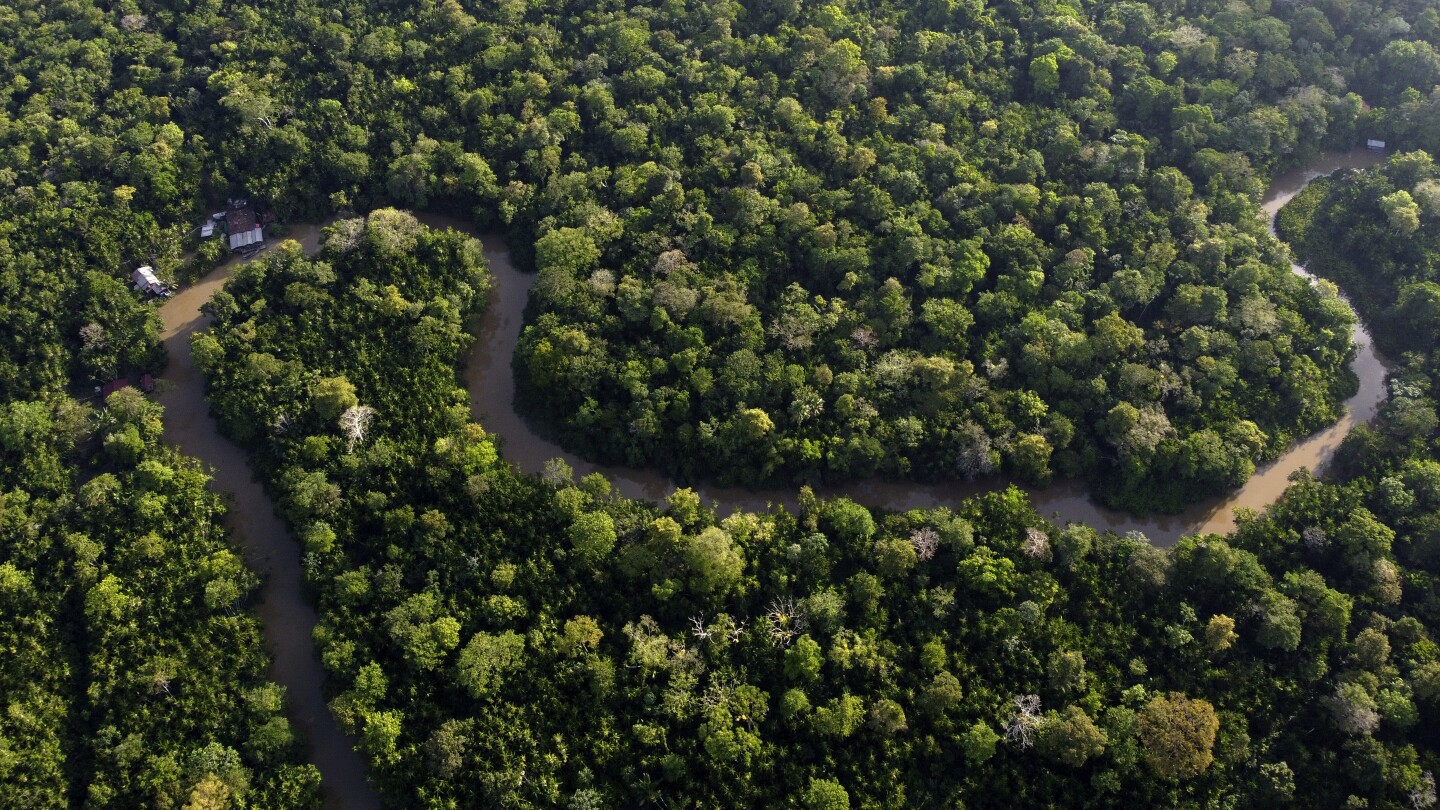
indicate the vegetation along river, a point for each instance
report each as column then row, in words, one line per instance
column 270, row 550
column 289, row 620
column 492, row 393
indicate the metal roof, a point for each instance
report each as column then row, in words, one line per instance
column 146, row 281
column 241, row 239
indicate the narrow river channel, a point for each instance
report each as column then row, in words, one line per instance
column 271, row 551
column 492, row 395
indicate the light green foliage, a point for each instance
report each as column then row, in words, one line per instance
column 566, row 250
column 894, row 557
column 1402, row 212
column 978, row 742
column 839, row 717
column 1220, row 633
column 1177, row 734
column 332, row 395
column 1069, row 737
column 380, row 733
column 422, row 632
column 582, row 633
column 825, row 794
column 487, row 659
column 803, row 660
column 592, row 535
column 713, row 560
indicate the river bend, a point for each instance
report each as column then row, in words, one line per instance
column 271, row 551
column 492, row 395
column 287, row 618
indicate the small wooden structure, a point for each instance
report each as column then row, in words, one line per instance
column 242, row 226
column 113, row 386
column 146, row 281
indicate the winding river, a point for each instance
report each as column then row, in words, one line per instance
column 272, row 552
column 492, row 393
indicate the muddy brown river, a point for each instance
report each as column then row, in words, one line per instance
column 271, row 551
column 492, row 394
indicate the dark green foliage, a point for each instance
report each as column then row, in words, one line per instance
column 134, row 671
column 790, row 241
column 1377, row 235
column 95, row 173
column 806, row 242
column 612, row 652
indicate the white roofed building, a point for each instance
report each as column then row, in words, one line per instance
column 243, row 239
column 145, row 280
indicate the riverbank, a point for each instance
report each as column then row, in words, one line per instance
column 491, row 385
column 270, row 550
column 289, row 620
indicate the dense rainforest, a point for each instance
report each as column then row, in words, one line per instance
column 776, row 241
column 1377, row 235
column 132, row 673
column 504, row 640
column 806, row 241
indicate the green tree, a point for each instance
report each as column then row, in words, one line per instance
column 714, row 561
column 487, row 659
column 825, row 794
column 592, row 535
column 332, row 396
column 978, row 742
column 1177, row 734
column 1069, row 737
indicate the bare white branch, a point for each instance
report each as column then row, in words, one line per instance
column 355, row 424
column 1021, row 729
column 786, row 619
column 1037, row 544
column 698, row 628
column 1423, row 796
column 925, row 540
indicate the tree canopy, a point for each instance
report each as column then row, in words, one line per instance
column 788, row 242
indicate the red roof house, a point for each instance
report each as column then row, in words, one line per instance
column 113, row 386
